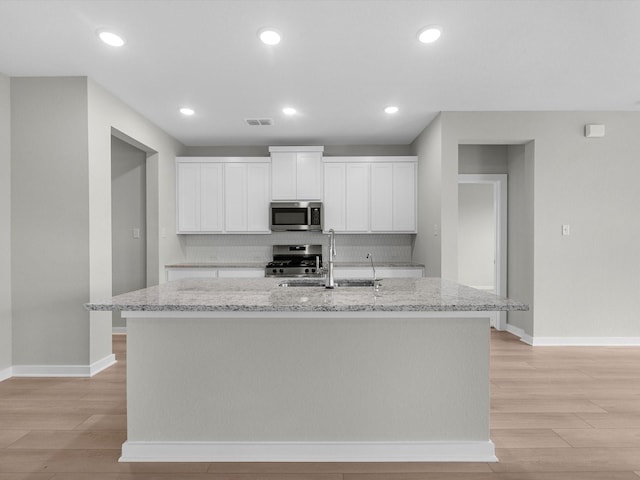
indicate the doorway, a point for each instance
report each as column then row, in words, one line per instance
column 128, row 221
column 482, row 235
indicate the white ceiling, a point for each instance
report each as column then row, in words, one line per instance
column 340, row 62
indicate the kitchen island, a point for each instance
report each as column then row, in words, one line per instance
column 247, row 370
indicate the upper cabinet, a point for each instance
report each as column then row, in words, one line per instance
column 296, row 173
column 370, row 194
column 223, row 194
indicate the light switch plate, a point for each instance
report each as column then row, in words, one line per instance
column 566, row 229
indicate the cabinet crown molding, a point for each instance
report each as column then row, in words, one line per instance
column 370, row 159
column 223, row 159
column 303, row 148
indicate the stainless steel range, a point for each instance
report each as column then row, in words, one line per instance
column 295, row 261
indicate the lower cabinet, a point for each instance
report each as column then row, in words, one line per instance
column 178, row 273
column 381, row 272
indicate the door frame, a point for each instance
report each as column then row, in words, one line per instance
column 500, row 202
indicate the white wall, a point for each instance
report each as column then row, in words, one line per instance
column 585, row 284
column 5, row 225
column 128, row 212
column 50, row 221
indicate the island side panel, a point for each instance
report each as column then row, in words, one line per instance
column 309, row 379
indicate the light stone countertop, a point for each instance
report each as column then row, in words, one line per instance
column 262, row 265
column 264, row 295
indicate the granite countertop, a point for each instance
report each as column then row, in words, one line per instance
column 264, row 295
column 262, row 265
column 216, row 265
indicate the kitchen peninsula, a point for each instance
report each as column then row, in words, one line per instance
column 247, row 370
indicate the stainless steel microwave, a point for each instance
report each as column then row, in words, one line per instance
column 296, row 216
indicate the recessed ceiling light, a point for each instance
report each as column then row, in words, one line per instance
column 391, row 109
column 111, row 38
column 269, row 36
column 289, row 111
column 430, row 34
column 187, row 111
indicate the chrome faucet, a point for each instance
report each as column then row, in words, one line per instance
column 330, row 281
column 370, row 257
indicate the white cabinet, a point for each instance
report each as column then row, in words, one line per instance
column 177, row 273
column 296, row 173
column 211, row 188
column 241, row 272
column 381, row 272
column 393, row 197
column 199, row 197
column 370, row 194
column 223, row 194
column 180, row 273
column 246, row 197
column 335, row 193
column 357, row 197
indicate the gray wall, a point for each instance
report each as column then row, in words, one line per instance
column 585, row 284
column 128, row 212
column 511, row 160
column 50, row 221
column 329, row 150
column 109, row 116
column 476, row 235
column 483, row 159
column 520, row 266
column 5, row 224
column 427, row 248
column 61, row 129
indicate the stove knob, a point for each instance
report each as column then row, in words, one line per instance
column 275, row 270
column 281, row 271
column 313, row 270
column 306, row 270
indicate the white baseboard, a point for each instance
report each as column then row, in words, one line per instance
column 586, row 341
column 308, row 452
column 520, row 333
column 573, row 341
column 63, row 370
column 6, row 373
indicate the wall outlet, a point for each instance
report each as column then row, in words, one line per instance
column 136, row 233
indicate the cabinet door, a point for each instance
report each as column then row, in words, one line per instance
column 241, row 273
column 381, row 197
column 283, row 175
column 334, row 196
column 309, row 175
column 357, row 197
column 258, row 197
column 188, row 197
column 404, row 197
column 235, row 197
column 211, row 197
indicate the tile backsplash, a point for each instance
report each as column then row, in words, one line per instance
column 235, row 249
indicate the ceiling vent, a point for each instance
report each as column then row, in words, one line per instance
column 258, row 122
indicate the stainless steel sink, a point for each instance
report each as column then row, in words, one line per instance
column 320, row 282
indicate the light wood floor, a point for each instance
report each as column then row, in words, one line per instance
column 557, row 414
